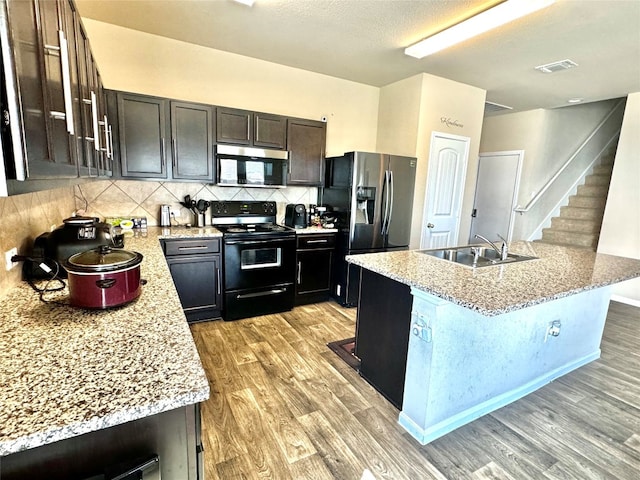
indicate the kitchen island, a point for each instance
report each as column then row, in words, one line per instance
column 481, row 338
column 122, row 383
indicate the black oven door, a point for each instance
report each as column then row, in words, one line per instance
column 259, row 277
column 250, row 264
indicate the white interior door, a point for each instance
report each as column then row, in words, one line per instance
column 496, row 194
column 448, row 160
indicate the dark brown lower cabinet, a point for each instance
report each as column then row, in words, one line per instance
column 196, row 269
column 314, row 257
column 382, row 333
column 173, row 437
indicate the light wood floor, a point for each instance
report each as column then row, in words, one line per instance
column 283, row 406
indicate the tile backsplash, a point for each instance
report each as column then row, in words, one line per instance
column 131, row 198
column 23, row 218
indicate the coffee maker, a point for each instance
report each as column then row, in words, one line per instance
column 296, row 216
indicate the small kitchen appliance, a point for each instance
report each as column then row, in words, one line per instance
column 296, row 216
column 103, row 278
column 165, row 216
column 76, row 234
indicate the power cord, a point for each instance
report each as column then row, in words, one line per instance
column 53, row 270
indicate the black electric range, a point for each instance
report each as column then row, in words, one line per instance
column 259, row 259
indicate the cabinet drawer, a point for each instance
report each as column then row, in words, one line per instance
column 316, row 240
column 191, row 247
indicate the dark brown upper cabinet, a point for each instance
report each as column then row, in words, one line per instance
column 192, row 141
column 44, row 96
column 40, row 110
column 242, row 127
column 306, row 140
column 269, row 131
column 142, row 130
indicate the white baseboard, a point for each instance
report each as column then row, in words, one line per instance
column 426, row 434
column 629, row 301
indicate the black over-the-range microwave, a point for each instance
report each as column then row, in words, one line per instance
column 251, row 167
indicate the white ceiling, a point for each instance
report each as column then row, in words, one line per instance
column 363, row 41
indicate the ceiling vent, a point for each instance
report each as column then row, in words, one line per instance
column 491, row 107
column 556, row 66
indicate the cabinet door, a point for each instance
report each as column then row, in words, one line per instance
column 142, row 132
column 105, row 157
column 269, row 131
column 192, row 141
column 87, row 158
column 382, row 333
column 198, row 281
column 306, row 144
column 57, row 92
column 314, row 271
column 233, row 126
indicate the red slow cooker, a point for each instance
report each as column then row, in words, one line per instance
column 103, row 278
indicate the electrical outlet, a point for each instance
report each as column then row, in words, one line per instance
column 7, row 258
column 175, row 212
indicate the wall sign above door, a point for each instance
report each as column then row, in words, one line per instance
column 449, row 122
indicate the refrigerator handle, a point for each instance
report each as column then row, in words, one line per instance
column 390, row 201
column 385, row 214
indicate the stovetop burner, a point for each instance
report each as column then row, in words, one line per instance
column 254, row 229
column 239, row 218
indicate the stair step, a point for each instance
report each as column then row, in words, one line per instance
column 566, row 244
column 608, row 158
column 583, row 213
column 598, row 179
column 587, row 202
column 575, row 225
column 593, row 190
column 603, row 169
column 570, row 238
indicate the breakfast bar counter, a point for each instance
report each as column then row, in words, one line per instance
column 66, row 371
column 556, row 272
column 455, row 342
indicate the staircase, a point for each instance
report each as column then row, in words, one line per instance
column 578, row 224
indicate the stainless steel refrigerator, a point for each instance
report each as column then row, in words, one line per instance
column 370, row 195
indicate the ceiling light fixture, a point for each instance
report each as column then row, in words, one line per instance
column 575, row 100
column 245, row 2
column 501, row 14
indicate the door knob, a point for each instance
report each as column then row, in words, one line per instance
column 430, row 225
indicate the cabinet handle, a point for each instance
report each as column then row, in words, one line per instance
column 219, row 281
column 174, row 152
column 110, row 142
column 57, row 115
column 106, row 137
column 299, row 271
column 248, row 127
column 66, row 82
column 94, row 116
column 317, row 241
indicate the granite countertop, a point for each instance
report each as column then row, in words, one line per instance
column 493, row 290
column 67, row 371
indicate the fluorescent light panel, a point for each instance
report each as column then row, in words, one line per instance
column 245, row 2
column 494, row 17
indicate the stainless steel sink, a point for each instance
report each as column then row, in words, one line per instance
column 475, row 256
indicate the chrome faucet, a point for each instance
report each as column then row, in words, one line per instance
column 502, row 251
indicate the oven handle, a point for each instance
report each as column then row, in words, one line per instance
column 275, row 291
column 255, row 242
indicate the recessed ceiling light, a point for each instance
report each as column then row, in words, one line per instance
column 245, row 2
column 575, row 100
column 494, row 17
